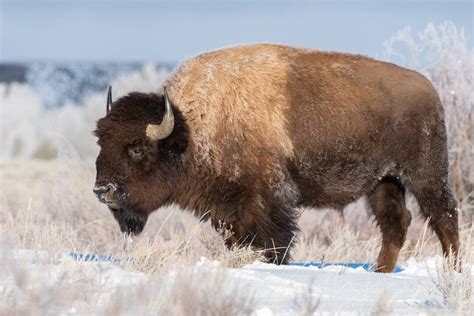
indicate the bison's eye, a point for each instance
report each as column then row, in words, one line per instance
column 136, row 152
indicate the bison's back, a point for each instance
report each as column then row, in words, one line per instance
column 337, row 121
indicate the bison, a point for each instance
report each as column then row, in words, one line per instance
column 244, row 135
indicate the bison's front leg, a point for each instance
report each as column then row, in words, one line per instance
column 265, row 225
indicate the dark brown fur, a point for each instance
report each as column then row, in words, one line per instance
column 277, row 128
column 388, row 204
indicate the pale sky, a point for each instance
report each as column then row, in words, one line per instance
column 168, row 31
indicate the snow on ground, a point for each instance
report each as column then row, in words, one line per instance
column 343, row 289
column 281, row 290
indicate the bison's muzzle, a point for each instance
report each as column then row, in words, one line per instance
column 130, row 222
column 106, row 194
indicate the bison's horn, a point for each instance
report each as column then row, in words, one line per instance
column 109, row 100
column 163, row 130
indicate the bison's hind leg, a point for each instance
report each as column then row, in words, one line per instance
column 427, row 178
column 437, row 204
column 388, row 204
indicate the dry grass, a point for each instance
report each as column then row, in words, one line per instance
column 325, row 238
column 48, row 205
column 456, row 288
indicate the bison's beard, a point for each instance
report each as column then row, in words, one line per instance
column 131, row 222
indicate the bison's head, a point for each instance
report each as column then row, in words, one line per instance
column 141, row 140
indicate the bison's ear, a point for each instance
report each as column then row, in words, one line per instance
column 163, row 130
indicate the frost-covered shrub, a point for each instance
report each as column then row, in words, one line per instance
column 29, row 130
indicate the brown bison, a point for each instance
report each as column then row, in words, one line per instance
column 247, row 134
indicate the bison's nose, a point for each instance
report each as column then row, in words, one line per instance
column 106, row 194
column 100, row 192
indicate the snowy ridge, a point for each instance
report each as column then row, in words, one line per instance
column 58, row 83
